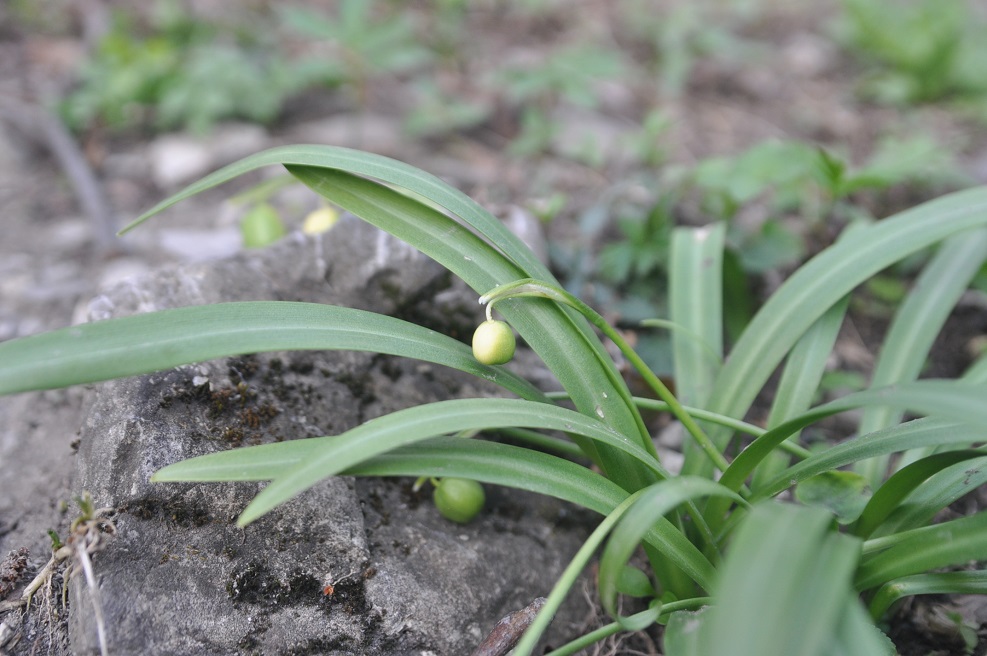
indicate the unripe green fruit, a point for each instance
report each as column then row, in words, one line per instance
column 261, row 226
column 493, row 342
column 459, row 499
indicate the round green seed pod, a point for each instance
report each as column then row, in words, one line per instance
column 261, row 226
column 459, row 499
column 493, row 342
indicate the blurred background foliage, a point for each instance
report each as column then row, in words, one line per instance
column 604, row 87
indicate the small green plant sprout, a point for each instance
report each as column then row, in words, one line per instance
column 924, row 51
column 458, row 499
column 182, row 73
column 735, row 563
column 357, row 44
column 89, row 532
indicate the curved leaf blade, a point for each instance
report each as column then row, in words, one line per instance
column 825, row 279
column 916, row 325
column 296, row 466
column 502, row 464
column 966, row 582
column 955, row 400
column 920, row 433
column 897, row 488
column 654, row 503
column 949, row 543
column 157, row 341
column 378, row 167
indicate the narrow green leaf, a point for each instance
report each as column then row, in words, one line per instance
column 502, row 464
column 378, row 167
column 910, row 435
column 897, row 488
column 498, row 464
column 297, row 465
column 966, row 582
column 955, row 400
column 803, row 571
column 804, row 369
column 916, row 325
column 939, row 491
column 696, row 304
column 654, row 503
column 828, row 277
column 955, row 542
column 157, row 341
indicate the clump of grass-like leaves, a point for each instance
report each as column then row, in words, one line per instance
column 733, row 569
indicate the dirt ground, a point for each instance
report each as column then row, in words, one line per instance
column 57, row 249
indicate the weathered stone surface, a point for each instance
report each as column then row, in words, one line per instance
column 365, row 567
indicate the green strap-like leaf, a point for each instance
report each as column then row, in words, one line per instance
column 804, row 369
column 654, row 503
column 315, row 459
column 784, row 563
column 953, row 399
column 967, row 582
column 827, row 278
column 497, row 464
column 897, row 488
column 161, row 340
column 910, row 435
column 377, row 167
column 949, row 543
column 932, row 496
column 916, row 325
column 695, row 298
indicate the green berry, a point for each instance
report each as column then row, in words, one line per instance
column 261, row 226
column 459, row 499
column 493, row 342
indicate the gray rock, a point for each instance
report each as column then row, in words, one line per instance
column 348, row 567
